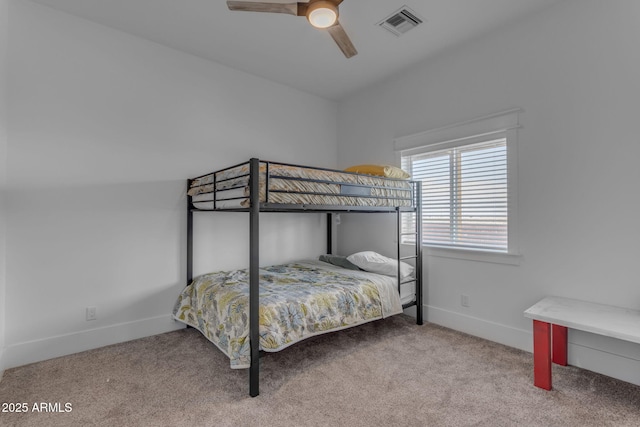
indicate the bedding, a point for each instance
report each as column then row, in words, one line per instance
column 380, row 264
column 297, row 301
column 380, row 170
column 298, row 185
column 339, row 260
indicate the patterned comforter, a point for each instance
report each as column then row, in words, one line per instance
column 297, row 301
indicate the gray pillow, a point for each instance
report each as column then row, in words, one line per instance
column 340, row 261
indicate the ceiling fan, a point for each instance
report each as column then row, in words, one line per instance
column 322, row 14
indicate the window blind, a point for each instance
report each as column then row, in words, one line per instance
column 464, row 196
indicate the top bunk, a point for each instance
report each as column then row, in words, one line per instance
column 283, row 187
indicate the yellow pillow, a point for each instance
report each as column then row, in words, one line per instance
column 380, row 170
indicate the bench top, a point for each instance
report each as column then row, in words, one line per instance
column 616, row 322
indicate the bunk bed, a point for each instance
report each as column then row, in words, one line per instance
column 260, row 186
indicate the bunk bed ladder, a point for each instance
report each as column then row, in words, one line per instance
column 417, row 255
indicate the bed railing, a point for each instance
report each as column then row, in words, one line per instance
column 284, row 186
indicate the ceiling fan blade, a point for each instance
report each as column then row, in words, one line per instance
column 256, row 6
column 342, row 39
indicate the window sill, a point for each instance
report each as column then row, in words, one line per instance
column 469, row 255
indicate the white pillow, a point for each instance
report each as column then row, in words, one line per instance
column 380, row 264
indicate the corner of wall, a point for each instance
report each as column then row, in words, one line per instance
column 4, row 6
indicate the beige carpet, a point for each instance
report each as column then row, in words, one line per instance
column 386, row 373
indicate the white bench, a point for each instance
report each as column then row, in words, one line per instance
column 552, row 316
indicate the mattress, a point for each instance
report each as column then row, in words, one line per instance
column 297, row 301
column 298, row 185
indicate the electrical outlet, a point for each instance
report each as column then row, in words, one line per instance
column 91, row 313
column 464, row 300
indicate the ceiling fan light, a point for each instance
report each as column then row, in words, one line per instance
column 322, row 14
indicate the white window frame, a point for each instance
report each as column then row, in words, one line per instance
column 504, row 124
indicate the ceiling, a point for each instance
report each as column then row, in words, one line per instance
column 286, row 49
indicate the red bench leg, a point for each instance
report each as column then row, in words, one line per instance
column 542, row 354
column 559, row 337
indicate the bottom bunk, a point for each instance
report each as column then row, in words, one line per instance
column 297, row 301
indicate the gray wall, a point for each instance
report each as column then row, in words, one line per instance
column 3, row 173
column 573, row 69
column 104, row 130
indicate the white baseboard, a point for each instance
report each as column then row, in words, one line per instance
column 614, row 358
column 48, row 348
column 623, row 366
column 491, row 331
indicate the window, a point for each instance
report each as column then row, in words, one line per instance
column 464, row 195
column 468, row 184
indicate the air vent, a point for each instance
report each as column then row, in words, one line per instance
column 401, row 21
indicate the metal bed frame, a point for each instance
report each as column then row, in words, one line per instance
column 256, row 207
